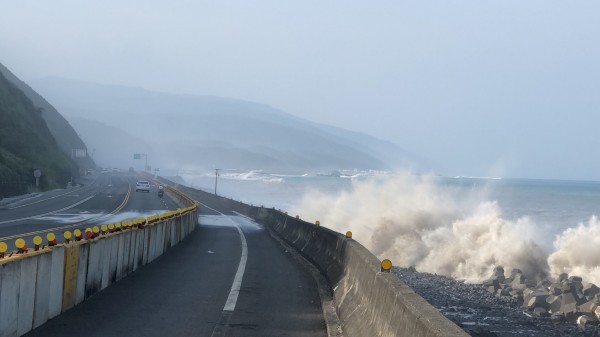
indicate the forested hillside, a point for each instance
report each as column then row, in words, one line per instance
column 26, row 144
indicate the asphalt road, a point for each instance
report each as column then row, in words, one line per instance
column 107, row 198
column 193, row 290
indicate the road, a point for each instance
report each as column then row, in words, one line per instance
column 107, row 198
column 228, row 278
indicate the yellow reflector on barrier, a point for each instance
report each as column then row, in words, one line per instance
column 96, row 229
column 50, row 237
column 104, row 228
column 67, row 235
column 77, row 233
column 37, row 240
column 111, row 226
column 20, row 243
column 118, row 225
column 386, row 265
column 3, row 247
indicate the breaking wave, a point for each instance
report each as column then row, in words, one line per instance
column 416, row 221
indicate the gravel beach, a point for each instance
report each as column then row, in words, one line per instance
column 479, row 312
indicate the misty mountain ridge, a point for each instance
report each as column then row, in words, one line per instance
column 66, row 137
column 27, row 145
column 210, row 131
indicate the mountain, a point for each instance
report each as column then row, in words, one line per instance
column 66, row 138
column 26, row 145
column 208, row 131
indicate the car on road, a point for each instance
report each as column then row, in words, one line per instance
column 142, row 185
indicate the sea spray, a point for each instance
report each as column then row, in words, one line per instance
column 578, row 252
column 415, row 221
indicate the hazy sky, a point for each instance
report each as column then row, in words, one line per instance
column 509, row 88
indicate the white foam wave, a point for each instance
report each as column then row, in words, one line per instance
column 417, row 222
column 578, row 252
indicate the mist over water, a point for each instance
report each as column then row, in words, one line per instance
column 461, row 228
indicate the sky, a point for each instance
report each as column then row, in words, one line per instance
column 484, row 88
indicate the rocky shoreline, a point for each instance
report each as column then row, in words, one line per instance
column 511, row 306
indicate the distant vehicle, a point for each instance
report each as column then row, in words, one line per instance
column 142, row 185
column 161, row 193
column 105, row 170
column 115, row 169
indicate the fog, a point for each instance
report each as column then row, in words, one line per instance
column 484, row 88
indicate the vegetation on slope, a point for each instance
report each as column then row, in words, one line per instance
column 26, row 144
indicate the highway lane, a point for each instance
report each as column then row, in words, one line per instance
column 188, row 290
column 107, row 199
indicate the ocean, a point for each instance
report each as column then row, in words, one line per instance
column 456, row 226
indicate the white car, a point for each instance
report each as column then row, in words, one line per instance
column 142, row 185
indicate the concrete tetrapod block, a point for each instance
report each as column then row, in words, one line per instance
column 562, row 277
column 537, row 299
column 590, row 290
column 555, row 288
column 10, row 276
column 541, row 312
column 26, row 295
column 597, row 312
column 586, row 320
column 589, row 306
column 519, row 281
column 554, row 303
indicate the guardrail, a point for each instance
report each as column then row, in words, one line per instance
column 37, row 285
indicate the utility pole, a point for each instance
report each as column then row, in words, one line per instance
column 216, row 176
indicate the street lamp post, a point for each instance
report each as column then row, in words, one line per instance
column 216, row 176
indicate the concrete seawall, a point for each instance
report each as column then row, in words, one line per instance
column 37, row 286
column 368, row 302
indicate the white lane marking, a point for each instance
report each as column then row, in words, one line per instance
column 42, row 200
column 239, row 275
column 53, row 212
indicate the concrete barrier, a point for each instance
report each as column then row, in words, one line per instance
column 368, row 302
column 37, row 286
